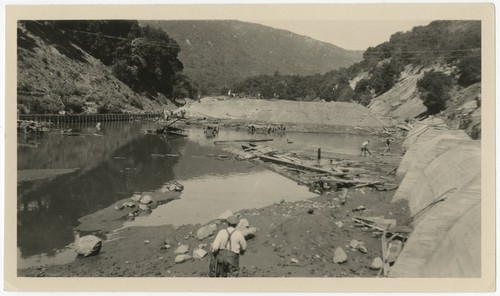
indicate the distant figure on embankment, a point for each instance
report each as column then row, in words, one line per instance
column 364, row 148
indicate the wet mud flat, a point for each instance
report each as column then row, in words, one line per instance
column 294, row 238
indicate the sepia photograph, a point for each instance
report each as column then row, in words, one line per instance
column 219, row 142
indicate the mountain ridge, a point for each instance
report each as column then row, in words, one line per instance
column 218, row 53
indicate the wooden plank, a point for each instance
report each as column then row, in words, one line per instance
column 242, row 140
column 258, row 150
column 367, row 184
column 292, row 159
column 386, row 248
column 297, row 165
column 379, row 228
column 384, row 252
column 337, row 170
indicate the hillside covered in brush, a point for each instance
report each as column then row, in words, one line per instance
column 97, row 66
column 424, row 71
column 219, row 53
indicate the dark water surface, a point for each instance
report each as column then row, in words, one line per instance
column 119, row 160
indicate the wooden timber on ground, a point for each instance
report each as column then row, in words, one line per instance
column 384, row 253
column 367, row 184
column 242, row 140
column 257, row 150
column 297, row 165
column 371, row 225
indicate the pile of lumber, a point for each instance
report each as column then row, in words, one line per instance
column 336, row 174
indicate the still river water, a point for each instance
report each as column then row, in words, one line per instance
column 120, row 160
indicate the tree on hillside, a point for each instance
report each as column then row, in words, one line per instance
column 469, row 70
column 144, row 58
column 434, row 88
column 154, row 54
column 362, row 93
column 104, row 39
column 384, row 77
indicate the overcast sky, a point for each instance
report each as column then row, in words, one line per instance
column 351, row 34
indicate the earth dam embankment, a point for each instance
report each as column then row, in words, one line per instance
column 441, row 173
column 297, row 116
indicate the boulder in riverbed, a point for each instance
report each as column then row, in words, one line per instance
column 225, row 215
column 88, row 245
column 182, row 258
column 377, row 263
column 129, row 204
column 361, row 247
column 182, row 249
column 199, row 253
column 143, row 207
column 354, row 243
column 172, row 187
column 146, row 199
column 206, row 231
column 136, row 197
column 339, row 256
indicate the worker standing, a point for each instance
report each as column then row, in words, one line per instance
column 388, row 142
column 226, row 249
column 364, row 148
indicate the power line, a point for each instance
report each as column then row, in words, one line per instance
column 422, row 51
column 169, row 45
column 433, row 58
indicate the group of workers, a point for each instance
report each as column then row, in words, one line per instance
column 365, row 151
column 230, row 244
column 169, row 114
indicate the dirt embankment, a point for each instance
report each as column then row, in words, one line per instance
column 297, row 116
column 402, row 101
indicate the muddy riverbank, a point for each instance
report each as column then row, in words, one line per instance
column 308, row 231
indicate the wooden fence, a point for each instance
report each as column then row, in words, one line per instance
column 65, row 118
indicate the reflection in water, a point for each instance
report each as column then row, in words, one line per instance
column 48, row 210
column 112, row 167
column 56, row 205
column 205, row 198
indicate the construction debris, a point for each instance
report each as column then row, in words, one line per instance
column 380, row 222
column 320, row 177
column 361, row 221
column 242, row 140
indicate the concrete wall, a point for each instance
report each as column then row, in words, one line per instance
column 441, row 163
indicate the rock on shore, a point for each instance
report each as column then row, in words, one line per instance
column 88, row 245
